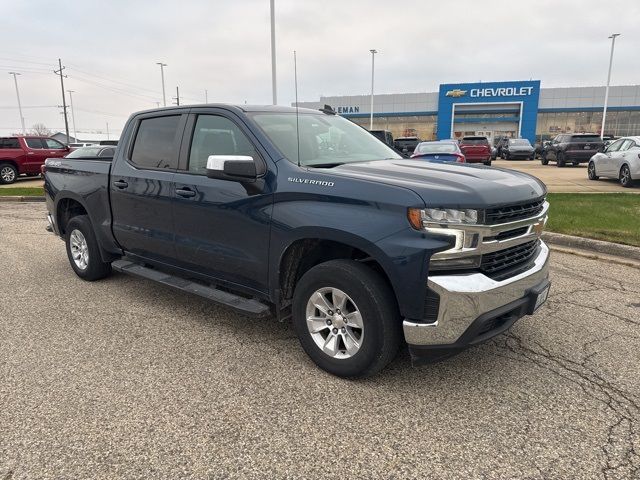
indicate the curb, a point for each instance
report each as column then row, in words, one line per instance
column 13, row 198
column 626, row 252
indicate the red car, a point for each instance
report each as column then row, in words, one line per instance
column 25, row 155
column 476, row 149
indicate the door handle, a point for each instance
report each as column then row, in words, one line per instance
column 120, row 184
column 185, row 192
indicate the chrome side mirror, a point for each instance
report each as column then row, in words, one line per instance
column 231, row 167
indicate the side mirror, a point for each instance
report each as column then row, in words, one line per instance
column 237, row 168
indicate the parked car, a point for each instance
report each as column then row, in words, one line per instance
column 498, row 142
column 331, row 229
column 384, row 135
column 515, row 148
column 439, row 151
column 575, row 148
column 476, row 150
column 406, row 145
column 24, row 155
column 94, row 151
column 620, row 160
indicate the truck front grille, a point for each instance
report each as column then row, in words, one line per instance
column 505, row 263
column 511, row 213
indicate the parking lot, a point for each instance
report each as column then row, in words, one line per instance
column 125, row 378
column 566, row 180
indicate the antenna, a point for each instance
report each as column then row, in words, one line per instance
column 295, row 77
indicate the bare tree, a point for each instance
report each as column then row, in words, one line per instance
column 40, row 129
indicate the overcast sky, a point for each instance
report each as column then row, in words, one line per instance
column 110, row 49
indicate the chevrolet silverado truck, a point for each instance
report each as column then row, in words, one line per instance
column 304, row 215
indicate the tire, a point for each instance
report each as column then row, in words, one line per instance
column 8, row 173
column 544, row 160
column 487, row 163
column 507, row 156
column 560, row 160
column 625, row 177
column 367, row 293
column 81, row 243
column 591, row 171
column 575, row 164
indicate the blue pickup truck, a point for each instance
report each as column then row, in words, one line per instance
column 304, row 215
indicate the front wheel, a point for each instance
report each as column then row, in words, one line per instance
column 591, row 171
column 625, row 177
column 544, row 160
column 82, row 250
column 346, row 318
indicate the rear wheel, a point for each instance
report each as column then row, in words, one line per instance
column 625, row 177
column 591, row 171
column 560, row 160
column 82, row 250
column 346, row 318
column 487, row 163
column 8, row 173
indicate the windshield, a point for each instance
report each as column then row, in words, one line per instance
column 325, row 140
column 85, row 152
column 475, row 141
column 436, row 148
column 520, row 142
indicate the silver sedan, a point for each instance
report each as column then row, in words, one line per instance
column 619, row 160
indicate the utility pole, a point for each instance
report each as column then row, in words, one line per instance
column 373, row 59
column 73, row 115
column 15, row 80
column 64, row 101
column 273, row 53
column 164, row 97
column 206, row 96
column 177, row 97
column 606, row 92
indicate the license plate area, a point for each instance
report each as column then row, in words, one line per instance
column 538, row 296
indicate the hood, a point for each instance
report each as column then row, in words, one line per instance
column 520, row 148
column 450, row 185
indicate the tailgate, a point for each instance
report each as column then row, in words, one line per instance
column 475, row 149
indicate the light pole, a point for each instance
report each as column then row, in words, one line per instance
column 606, row 92
column 373, row 61
column 15, row 80
column 273, row 53
column 73, row 115
column 164, row 96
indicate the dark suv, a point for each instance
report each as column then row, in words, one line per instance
column 406, row 145
column 574, row 148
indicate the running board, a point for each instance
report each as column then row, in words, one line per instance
column 246, row 306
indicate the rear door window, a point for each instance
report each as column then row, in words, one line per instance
column 156, row 143
column 615, row 146
column 34, row 143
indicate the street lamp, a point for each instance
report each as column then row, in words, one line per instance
column 73, row 115
column 606, row 92
column 373, row 60
column 15, row 80
column 164, row 96
column 273, row 53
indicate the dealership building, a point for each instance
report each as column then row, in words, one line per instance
column 518, row 109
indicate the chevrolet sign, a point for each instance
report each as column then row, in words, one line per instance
column 456, row 93
column 500, row 92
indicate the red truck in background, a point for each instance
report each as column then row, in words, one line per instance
column 476, row 150
column 26, row 154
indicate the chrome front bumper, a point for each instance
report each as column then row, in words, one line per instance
column 465, row 297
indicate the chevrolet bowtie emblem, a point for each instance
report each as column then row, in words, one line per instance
column 456, row 93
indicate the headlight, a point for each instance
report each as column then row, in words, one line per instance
column 421, row 218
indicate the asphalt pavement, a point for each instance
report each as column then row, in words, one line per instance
column 124, row 378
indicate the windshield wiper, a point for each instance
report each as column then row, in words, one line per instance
column 326, row 165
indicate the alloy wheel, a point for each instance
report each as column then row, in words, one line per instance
column 335, row 323
column 79, row 249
